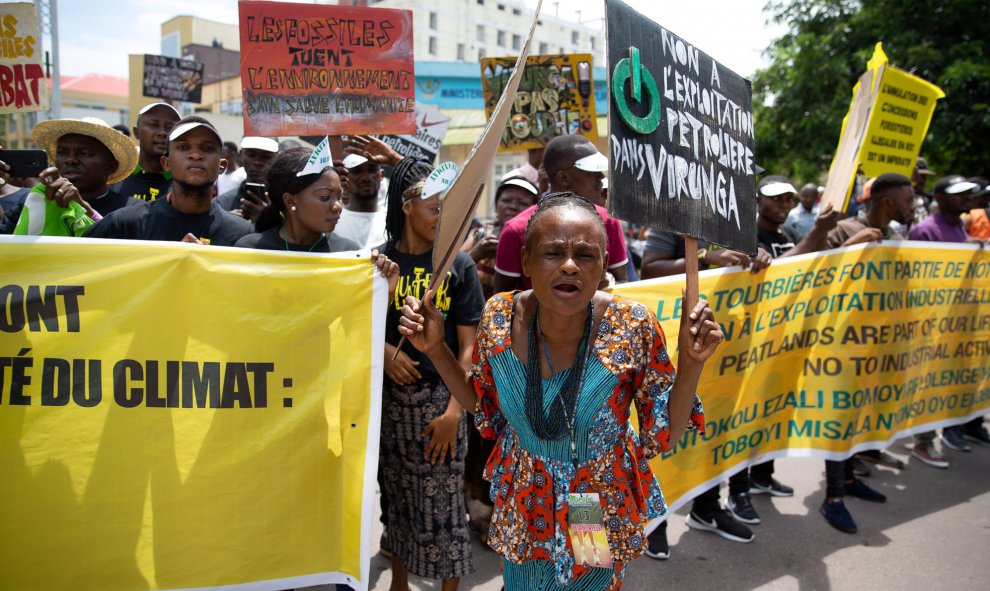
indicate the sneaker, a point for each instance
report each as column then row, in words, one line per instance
column 773, row 488
column 384, row 547
column 723, row 524
column 859, row 489
column 927, row 453
column 859, row 468
column 656, row 544
column 838, row 516
column 881, row 458
column 953, row 438
column 977, row 434
column 741, row 507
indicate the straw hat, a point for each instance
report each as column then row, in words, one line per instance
column 47, row 133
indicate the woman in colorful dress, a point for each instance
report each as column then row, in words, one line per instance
column 424, row 435
column 555, row 372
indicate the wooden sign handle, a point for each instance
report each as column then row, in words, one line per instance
column 690, row 271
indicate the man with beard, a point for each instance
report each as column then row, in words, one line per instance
column 188, row 213
column 148, row 180
column 257, row 155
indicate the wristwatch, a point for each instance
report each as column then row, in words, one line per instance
column 702, row 253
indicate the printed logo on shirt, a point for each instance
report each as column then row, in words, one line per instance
column 780, row 248
column 415, row 284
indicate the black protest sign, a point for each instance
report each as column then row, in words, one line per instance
column 681, row 135
column 173, row 79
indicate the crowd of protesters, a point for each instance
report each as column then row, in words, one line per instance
column 541, row 367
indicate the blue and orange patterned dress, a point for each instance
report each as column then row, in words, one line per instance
column 531, row 477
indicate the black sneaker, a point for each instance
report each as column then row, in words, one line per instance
column 881, row 458
column 721, row 523
column 859, row 489
column 977, row 434
column 773, row 488
column 953, row 438
column 656, row 544
column 741, row 507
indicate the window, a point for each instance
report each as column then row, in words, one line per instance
column 501, row 39
column 433, row 20
column 501, row 7
column 517, row 42
column 575, row 37
column 433, row 45
column 593, row 43
column 481, row 2
column 481, row 33
column 482, row 53
column 516, row 12
column 544, row 49
column 460, row 52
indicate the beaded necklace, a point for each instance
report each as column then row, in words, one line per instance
column 560, row 420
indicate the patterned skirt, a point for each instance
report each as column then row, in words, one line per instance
column 427, row 527
column 540, row 575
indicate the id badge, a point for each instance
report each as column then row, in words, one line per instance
column 587, row 531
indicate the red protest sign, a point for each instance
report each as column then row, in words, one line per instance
column 22, row 79
column 316, row 70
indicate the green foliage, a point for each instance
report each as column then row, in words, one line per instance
column 800, row 99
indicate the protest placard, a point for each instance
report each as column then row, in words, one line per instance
column 317, row 70
column 155, row 451
column 22, row 78
column 830, row 353
column 172, row 78
column 556, row 96
column 883, row 129
column 431, row 127
column 681, row 135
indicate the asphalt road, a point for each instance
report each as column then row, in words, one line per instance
column 933, row 533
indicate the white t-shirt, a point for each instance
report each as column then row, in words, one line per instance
column 230, row 181
column 364, row 228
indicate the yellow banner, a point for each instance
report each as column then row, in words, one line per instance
column 175, row 416
column 829, row 354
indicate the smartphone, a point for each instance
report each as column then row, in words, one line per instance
column 257, row 188
column 25, row 163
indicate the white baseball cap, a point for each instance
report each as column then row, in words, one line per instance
column 265, row 144
column 354, row 160
column 596, row 162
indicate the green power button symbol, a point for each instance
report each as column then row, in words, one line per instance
column 641, row 80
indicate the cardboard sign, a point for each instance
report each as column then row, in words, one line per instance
column 22, row 79
column 173, row 79
column 316, row 70
column 431, row 127
column 556, row 97
column 681, row 140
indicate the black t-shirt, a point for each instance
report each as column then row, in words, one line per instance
column 12, row 205
column 144, row 185
column 158, row 220
column 459, row 298
column 270, row 240
column 779, row 242
column 113, row 201
column 231, row 200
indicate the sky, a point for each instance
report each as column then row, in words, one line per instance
column 97, row 36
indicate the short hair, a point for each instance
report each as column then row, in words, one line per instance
column 886, row 182
column 563, row 199
column 230, row 145
column 123, row 129
column 563, row 151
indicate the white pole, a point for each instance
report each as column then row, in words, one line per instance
column 56, row 76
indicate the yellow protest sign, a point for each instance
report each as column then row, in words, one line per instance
column 898, row 122
column 555, row 97
column 831, row 353
column 884, row 128
column 175, row 416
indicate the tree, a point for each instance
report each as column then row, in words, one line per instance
column 800, row 99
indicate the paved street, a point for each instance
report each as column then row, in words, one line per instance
column 933, row 533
